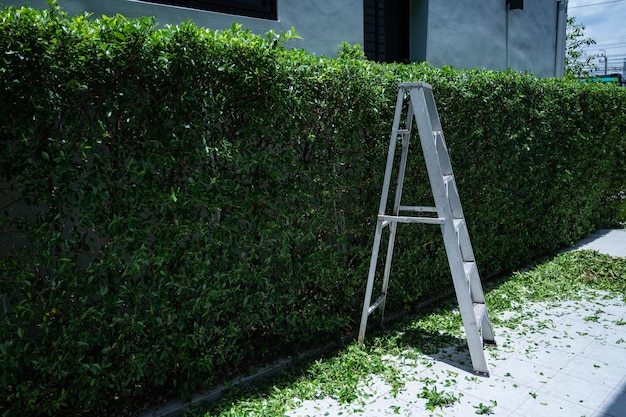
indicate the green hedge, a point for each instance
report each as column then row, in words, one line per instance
column 179, row 203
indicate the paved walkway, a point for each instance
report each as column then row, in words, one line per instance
column 564, row 359
column 609, row 241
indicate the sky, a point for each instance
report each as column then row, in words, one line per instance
column 605, row 21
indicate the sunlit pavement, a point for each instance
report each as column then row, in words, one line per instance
column 563, row 359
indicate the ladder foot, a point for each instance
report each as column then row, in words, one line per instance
column 483, row 374
column 490, row 342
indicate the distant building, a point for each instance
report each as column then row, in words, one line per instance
column 525, row 35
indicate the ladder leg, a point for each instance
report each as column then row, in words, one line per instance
column 477, row 354
column 388, row 259
column 471, row 323
column 406, row 137
column 370, row 281
column 380, row 225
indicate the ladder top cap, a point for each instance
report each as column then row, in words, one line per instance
column 415, row 85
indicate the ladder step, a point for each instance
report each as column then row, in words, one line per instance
column 471, row 273
column 480, row 311
column 410, row 219
column 452, row 196
column 470, row 268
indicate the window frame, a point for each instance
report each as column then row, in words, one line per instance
column 266, row 9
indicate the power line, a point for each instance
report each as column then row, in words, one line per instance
column 605, row 47
column 616, row 57
column 610, row 38
column 610, row 45
column 595, row 4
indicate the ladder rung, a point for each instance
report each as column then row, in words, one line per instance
column 376, row 304
column 403, row 131
column 411, row 219
column 418, row 209
column 480, row 310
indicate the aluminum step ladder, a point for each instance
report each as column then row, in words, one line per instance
column 448, row 213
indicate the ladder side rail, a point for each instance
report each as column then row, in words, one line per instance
column 370, row 280
column 391, row 153
column 380, row 224
column 451, row 192
column 471, row 323
column 425, row 130
column 387, row 270
column 435, row 175
column 431, row 107
column 428, row 140
column 464, row 241
column 406, row 138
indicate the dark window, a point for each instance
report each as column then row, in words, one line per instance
column 374, row 30
column 265, row 9
column 387, row 30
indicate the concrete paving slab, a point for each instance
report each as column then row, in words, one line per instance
column 553, row 406
column 613, row 355
column 508, row 393
column 576, row 389
column 596, row 371
column 518, row 371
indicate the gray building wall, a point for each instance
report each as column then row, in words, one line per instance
column 322, row 24
column 463, row 34
column 486, row 34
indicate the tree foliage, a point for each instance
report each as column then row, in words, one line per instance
column 577, row 62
